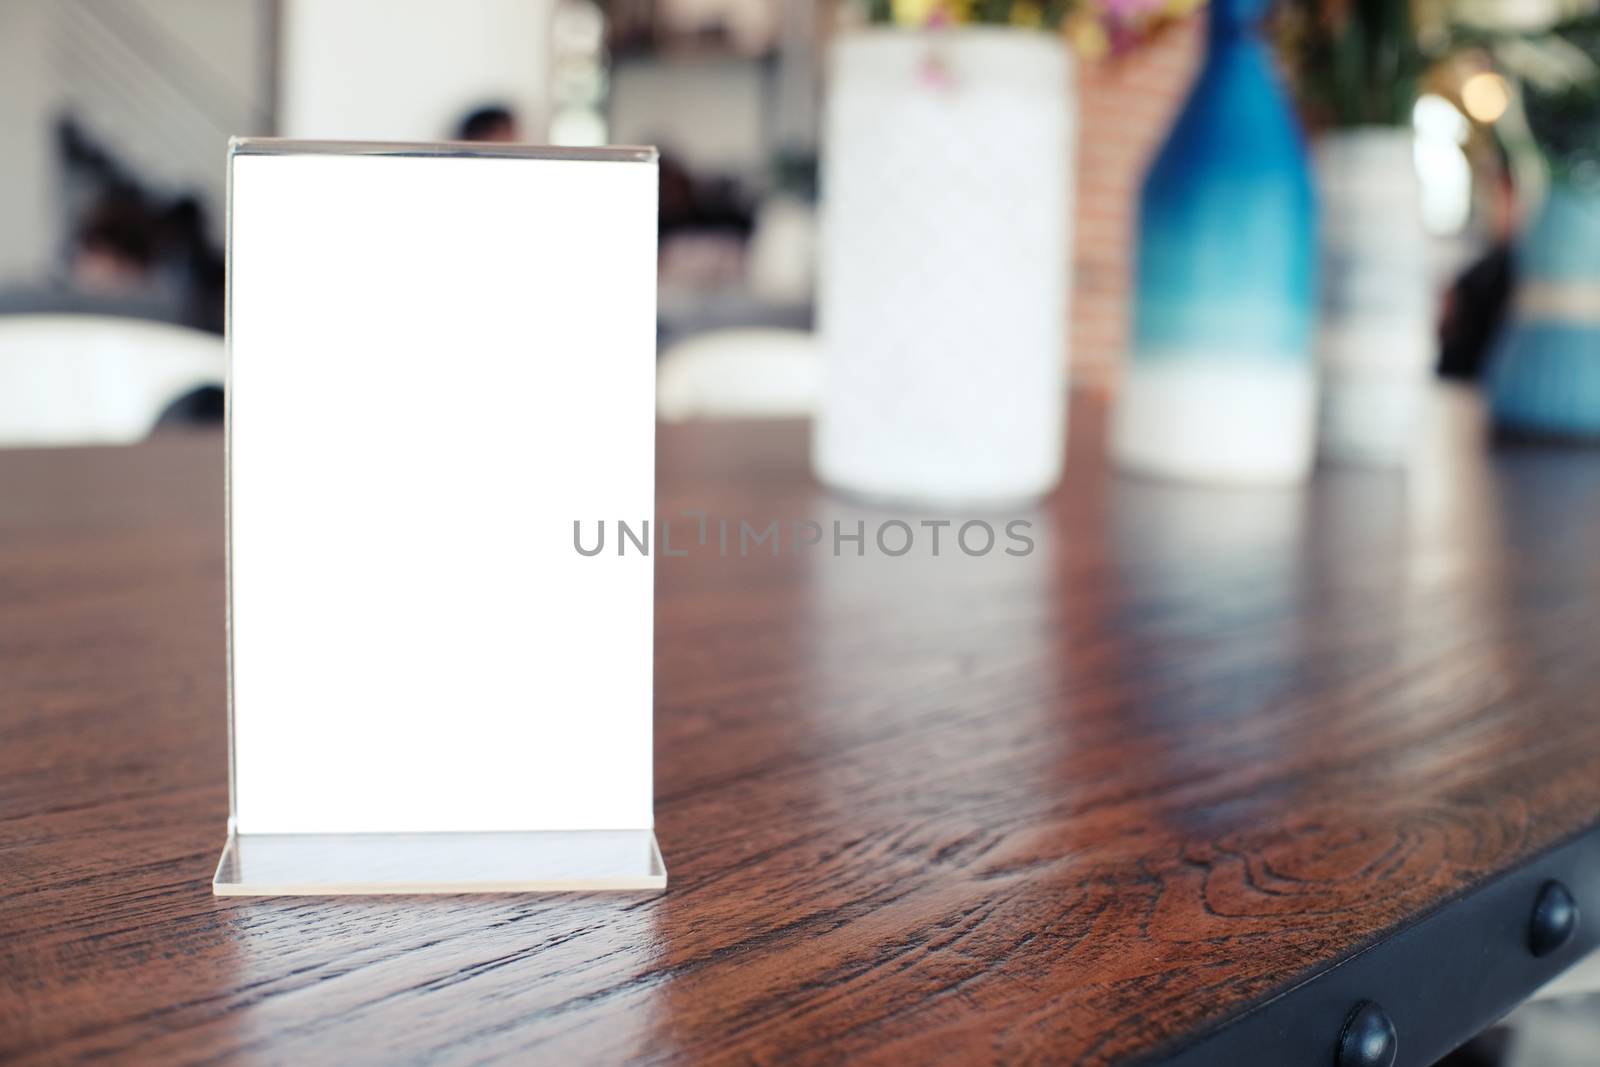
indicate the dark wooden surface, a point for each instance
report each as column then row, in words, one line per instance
column 1079, row 806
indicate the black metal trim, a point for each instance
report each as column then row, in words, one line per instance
column 1443, row 979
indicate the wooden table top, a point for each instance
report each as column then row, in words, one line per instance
column 1082, row 805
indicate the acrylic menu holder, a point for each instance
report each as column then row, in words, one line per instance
column 441, row 358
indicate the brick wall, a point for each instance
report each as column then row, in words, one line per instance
column 1126, row 104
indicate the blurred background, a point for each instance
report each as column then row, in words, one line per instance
column 116, row 114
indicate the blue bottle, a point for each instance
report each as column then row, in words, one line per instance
column 1221, row 384
column 1544, row 374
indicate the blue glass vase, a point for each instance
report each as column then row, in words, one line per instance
column 1544, row 374
column 1221, row 384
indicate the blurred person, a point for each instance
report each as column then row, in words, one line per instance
column 1476, row 303
column 494, row 123
column 127, row 250
column 704, row 225
column 115, row 249
column 131, row 248
column 192, row 263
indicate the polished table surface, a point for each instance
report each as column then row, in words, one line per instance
column 1080, row 805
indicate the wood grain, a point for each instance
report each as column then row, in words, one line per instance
column 1078, row 806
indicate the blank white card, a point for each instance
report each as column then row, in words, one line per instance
column 439, row 363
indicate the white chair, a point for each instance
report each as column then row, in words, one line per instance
column 740, row 374
column 96, row 379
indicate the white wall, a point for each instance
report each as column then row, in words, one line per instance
column 26, row 219
column 228, row 41
column 407, row 70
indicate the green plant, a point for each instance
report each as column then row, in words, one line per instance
column 1361, row 62
column 1560, row 93
column 1357, row 62
column 1094, row 26
column 1048, row 14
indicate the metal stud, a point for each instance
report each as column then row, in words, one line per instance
column 1555, row 919
column 1368, row 1039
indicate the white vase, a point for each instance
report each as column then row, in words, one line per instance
column 1376, row 337
column 944, row 272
